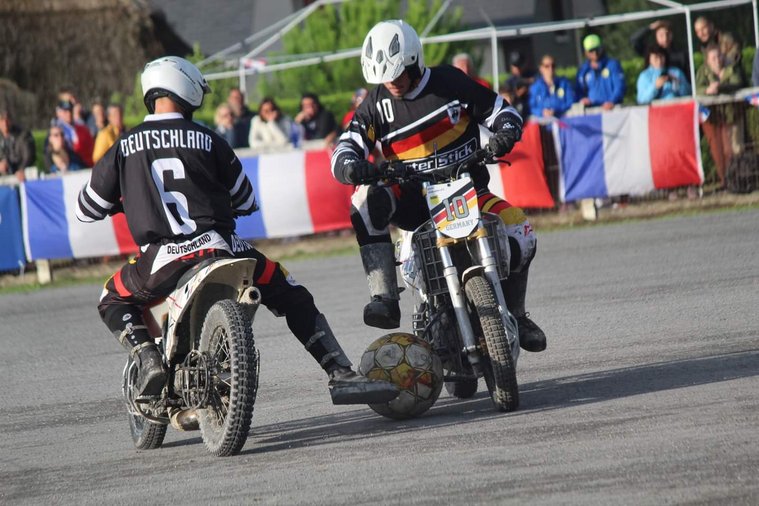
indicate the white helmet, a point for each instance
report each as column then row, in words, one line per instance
column 175, row 78
column 390, row 48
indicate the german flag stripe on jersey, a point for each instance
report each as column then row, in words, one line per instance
column 422, row 144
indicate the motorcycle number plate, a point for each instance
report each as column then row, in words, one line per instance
column 453, row 207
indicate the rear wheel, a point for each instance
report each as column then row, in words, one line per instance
column 500, row 373
column 146, row 435
column 227, row 340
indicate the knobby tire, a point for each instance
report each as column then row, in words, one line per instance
column 500, row 373
column 227, row 336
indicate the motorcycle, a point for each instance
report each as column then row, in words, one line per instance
column 204, row 331
column 454, row 264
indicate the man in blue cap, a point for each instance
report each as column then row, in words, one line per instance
column 600, row 80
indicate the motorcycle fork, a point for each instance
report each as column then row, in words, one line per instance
column 491, row 274
column 458, row 301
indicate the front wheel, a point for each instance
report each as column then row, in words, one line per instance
column 500, row 373
column 146, row 435
column 227, row 339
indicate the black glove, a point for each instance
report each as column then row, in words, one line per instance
column 361, row 172
column 117, row 208
column 503, row 140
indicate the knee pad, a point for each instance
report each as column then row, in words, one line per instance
column 523, row 245
column 373, row 206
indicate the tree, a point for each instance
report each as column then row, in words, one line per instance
column 331, row 29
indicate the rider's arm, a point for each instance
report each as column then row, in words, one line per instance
column 354, row 144
column 487, row 107
column 101, row 195
column 232, row 175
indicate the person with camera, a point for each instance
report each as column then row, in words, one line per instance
column 660, row 81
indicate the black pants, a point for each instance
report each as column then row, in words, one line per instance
column 154, row 274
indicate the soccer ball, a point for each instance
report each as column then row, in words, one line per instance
column 409, row 363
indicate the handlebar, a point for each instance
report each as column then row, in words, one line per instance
column 392, row 172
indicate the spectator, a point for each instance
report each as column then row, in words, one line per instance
column 716, row 76
column 16, row 147
column 107, row 136
column 708, row 35
column 81, row 115
column 663, row 37
column 713, row 78
column 600, row 80
column 270, row 129
column 550, row 95
column 242, row 117
column 59, row 157
column 315, row 120
column 463, row 62
column 225, row 123
column 755, row 71
column 659, row 81
column 77, row 135
column 358, row 97
column 518, row 84
column 97, row 120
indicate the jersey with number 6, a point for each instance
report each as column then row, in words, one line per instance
column 436, row 125
column 177, row 179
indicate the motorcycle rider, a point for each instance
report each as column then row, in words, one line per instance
column 425, row 118
column 180, row 186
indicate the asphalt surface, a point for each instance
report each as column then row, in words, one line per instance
column 648, row 393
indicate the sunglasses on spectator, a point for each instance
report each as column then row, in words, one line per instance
column 548, row 65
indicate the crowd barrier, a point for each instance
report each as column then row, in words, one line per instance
column 626, row 151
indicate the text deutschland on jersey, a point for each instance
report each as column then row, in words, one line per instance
column 165, row 139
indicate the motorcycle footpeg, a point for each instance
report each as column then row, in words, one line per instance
column 348, row 392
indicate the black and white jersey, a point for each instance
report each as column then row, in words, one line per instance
column 175, row 178
column 433, row 126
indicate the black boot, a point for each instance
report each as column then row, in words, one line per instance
column 383, row 311
column 151, row 374
column 531, row 337
column 345, row 386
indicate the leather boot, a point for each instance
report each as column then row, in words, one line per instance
column 383, row 311
column 345, row 386
column 151, row 374
column 531, row 337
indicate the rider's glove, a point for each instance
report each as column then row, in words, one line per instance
column 361, row 172
column 503, row 140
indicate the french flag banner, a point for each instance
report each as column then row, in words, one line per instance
column 296, row 194
column 629, row 151
column 522, row 181
column 51, row 229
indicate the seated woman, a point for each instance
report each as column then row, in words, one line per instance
column 270, row 129
column 59, row 157
column 659, row 81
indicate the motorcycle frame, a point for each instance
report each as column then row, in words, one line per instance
column 489, row 268
column 186, row 306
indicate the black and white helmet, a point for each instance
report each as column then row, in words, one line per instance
column 176, row 78
column 390, row 48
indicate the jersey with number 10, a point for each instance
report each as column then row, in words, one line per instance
column 434, row 126
column 177, row 179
